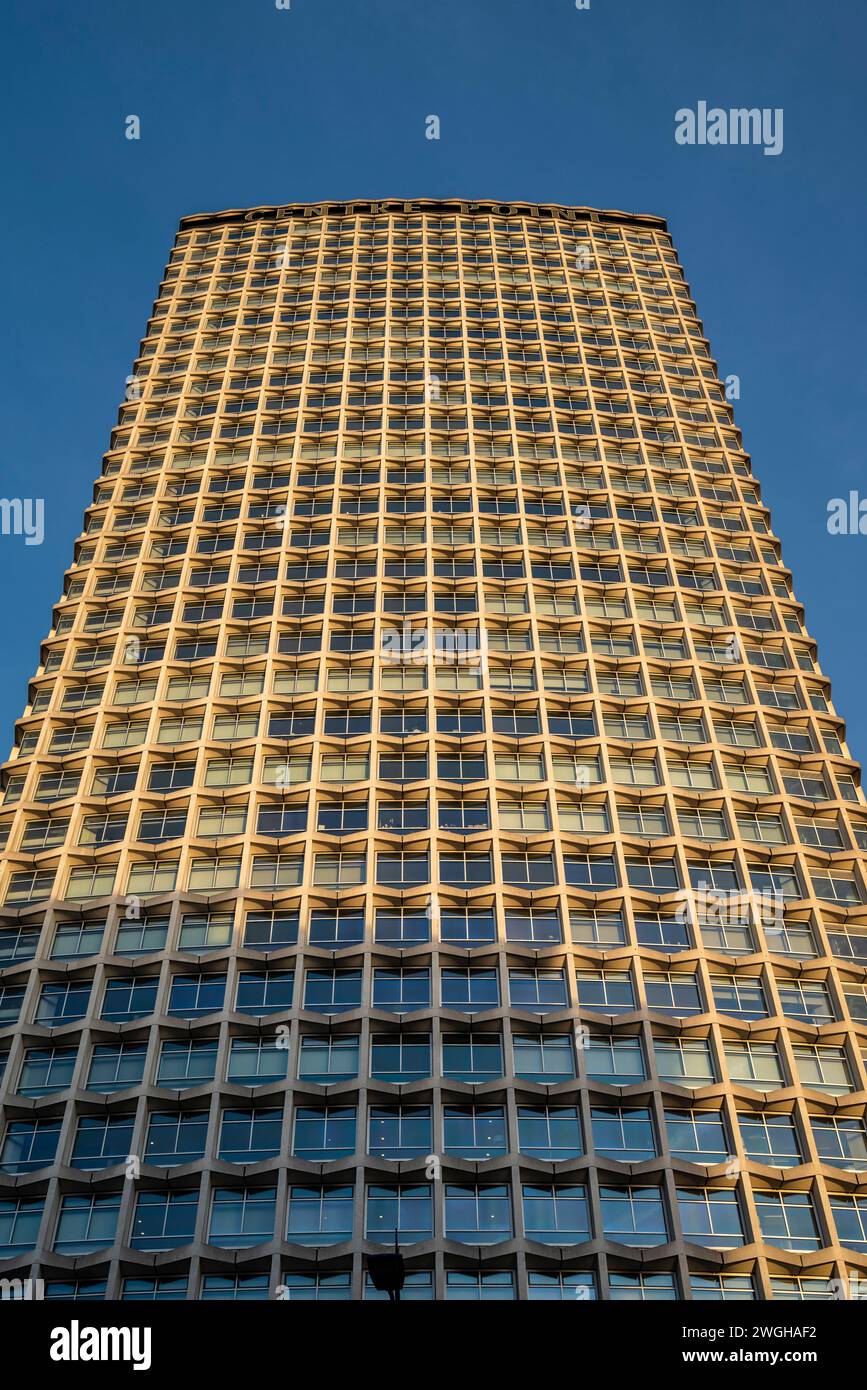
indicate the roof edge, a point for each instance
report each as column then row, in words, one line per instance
column 411, row 205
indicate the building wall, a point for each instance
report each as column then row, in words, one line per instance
column 440, row 504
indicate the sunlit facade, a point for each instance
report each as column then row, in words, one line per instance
column 429, row 814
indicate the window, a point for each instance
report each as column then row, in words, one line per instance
column 593, row 872
column 271, row 930
column 605, row 991
column 400, row 927
column 128, row 997
column 727, row 1288
column 823, row 1069
column 164, row 1219
column 400, row 1132
column 320, row 1215
column 710, row 1216
column 770, row 1137
column 242, row 1217
column 555, row 1214
column 29, row 1145
column 402, row 870
column 787, row 1219
column 255, row 1061
column 46, row 1069
column 467, row 926
column 614, row 1060
column 205, row 931
column 158, row 1290
column 20, row 943
column 482, row 1286
column 192, row 996
column 850, row 1218
column 478, row 1215
column 175, row 1136
column 802, row 1289
column 404, row 1213
column 141, row 936
column 634, row 1215
column 684, row 1061
column 261, row 992
column 334, row 1287
column 806, row 999
column 546, row 1058
column 326, row 1060
column 235, row 1287
column 626, row 1135
column 116, row 1066
column 20, row 1219
column 754, row 1064
column 322, row 1133
column 400, row 1057
column 101, row 1141
column 698, row 1136
column 538, row 991
column 672, row 993
column 60, row 1003
column 642, row 1287
column 534, row 927
column 86, row 1222
column 332, row 991
column 841, row 1141
column 470, row 990
column 598, row 929
column 740, row 995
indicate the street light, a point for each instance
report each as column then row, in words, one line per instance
column 388, row 1272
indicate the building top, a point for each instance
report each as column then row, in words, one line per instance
column 412, row 205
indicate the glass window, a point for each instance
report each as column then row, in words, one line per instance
column 614, row 1060
column 787, row 1219
column 400, row 1057
column 711, row 1216
column 249, row 1136
column 400, row 1132
column 323, row 1133
column 241, row 1217
column 491, row 1286
column 474, row 1132
column 544, row 1286
column 698, row 1136
column 405, row 1212
column 86, row 1222
column 164, row 1219
column 101, row 1141
column 624, row 1134
column 634, row 1215
column 176, row 1136
column 29, row 1145
column 478, row 1215
column 326, row 1059
column 320, row 1215
column 556, row 1214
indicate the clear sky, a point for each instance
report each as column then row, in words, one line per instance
column 241, row 103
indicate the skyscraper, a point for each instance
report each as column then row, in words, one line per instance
column 429, row 814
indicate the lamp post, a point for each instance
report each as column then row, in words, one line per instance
column 388, row 1272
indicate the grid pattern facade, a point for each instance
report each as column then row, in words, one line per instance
column 429, row 813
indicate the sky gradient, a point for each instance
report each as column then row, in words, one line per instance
column 244, row 104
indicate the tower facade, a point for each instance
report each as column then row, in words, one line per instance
column 429, row 817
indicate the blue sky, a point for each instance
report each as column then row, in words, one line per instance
column 241, row 103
